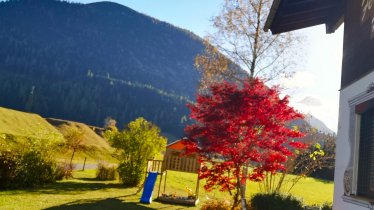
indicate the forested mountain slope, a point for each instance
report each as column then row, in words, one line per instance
column 84, row 62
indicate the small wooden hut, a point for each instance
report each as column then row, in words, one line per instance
column 175, row 159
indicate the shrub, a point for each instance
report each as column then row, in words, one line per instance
column 275, row 202
column 35, row 169
column 314, row 207
column 131, row 174
column 9, row 165
column 218, row 204
column 105, row 172
column 25, row 170
column 326, row 206
column 64, row 171
column 27, row 161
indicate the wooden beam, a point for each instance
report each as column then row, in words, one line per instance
column 337, row 18
column 197, row 187
column 307, row 21
column 301, row 6
column 166, row 174
column 159, row 186
column 321, row 14
column 296, row 26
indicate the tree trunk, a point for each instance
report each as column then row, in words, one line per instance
column 84, row 164
column 256, row 42
column 238, row 190
column 71, row 159
column 236, row 200
column 244, row 188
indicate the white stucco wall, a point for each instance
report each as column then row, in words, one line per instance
column 343, row 149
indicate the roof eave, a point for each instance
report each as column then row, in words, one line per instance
column 273, row 11
column 332, row 24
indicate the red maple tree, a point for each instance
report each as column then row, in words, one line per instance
column 237, row 127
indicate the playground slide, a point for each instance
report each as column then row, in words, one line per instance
column 148, row 188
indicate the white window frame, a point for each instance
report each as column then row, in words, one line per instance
column 354, row 134
column 356, row 152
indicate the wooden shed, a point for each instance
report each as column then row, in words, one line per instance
column 175, row 159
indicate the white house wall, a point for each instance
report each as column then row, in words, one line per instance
column 344, row 160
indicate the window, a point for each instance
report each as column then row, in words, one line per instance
column 365, row 170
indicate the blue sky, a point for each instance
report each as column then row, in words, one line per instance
column 315, row 87
column 316, row 84
column 193, row 15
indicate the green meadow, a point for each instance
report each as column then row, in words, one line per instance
column 85, row 192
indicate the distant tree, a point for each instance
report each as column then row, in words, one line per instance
column 74, row 141
column 239, row 38
column 110, row 123
column 238, row 127
column 137, row 143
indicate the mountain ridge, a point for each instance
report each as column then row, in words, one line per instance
column 318, row 124
column 53, row 52
column 85, row 62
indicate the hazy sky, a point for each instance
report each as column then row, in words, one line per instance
column 314, row 88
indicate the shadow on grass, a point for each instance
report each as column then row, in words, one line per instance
column 89, row 179
column 109, row 203
column 68, row 187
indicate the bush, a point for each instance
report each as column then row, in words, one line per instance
column 27, row 161
column 130, row 174
column 64, row 171
column 105, row 172
column 35, row 170
column 326, row 206
column 25, row 170
column 218, row 204
column 275, row 202
column 9, row 165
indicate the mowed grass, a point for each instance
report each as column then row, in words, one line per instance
column 84, row 192
column 311, row 191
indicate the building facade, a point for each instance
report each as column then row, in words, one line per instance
column 354, row 167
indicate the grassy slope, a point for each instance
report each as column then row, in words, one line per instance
column 98, row 149
column 84, row 192
column 23, row 124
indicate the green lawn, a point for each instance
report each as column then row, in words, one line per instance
column 84, row 192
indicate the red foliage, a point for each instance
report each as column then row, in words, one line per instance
column 239, row 125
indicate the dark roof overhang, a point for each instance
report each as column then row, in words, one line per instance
column 289, row 15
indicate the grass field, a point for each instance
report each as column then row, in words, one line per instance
column 84, row 192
